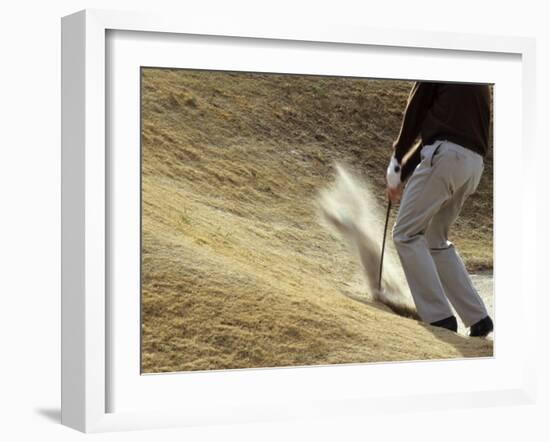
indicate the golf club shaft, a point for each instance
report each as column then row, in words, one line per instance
column 383, row 245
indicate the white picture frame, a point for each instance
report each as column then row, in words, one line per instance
column 87, row 356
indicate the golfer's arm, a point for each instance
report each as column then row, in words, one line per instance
column 420, row 100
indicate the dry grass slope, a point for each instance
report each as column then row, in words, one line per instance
column 236, row 269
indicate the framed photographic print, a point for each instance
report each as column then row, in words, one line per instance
column 228, row 250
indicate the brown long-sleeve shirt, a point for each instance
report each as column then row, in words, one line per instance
column 456, row 112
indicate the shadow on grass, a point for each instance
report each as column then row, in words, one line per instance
column 462, row 343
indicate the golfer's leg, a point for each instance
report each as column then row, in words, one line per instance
column 424, row 194
column 452, row 272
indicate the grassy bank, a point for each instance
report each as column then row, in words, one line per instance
column 236, row 269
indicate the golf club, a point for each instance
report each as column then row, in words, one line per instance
column 383, row 245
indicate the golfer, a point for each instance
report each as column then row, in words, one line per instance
column 452, row 123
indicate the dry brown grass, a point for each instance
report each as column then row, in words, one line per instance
column 236, row 269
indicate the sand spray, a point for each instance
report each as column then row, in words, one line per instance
column 349, row 207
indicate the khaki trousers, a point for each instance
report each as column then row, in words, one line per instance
column 431, row 201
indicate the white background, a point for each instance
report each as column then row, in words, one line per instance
column 259, row 390
column 30, row 218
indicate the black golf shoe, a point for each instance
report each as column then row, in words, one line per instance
column 482, row 327
column 448, row 323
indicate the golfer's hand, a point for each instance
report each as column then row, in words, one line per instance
column 393, row 193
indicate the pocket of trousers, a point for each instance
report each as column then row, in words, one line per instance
column 427, row 151
column 436, row 150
